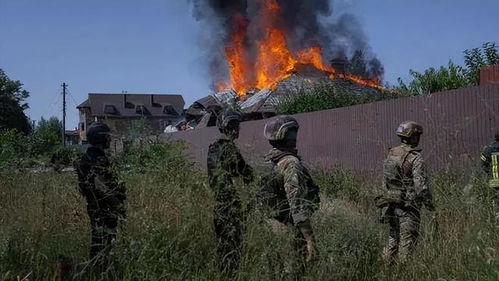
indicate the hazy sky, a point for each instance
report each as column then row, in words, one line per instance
column 156, row 46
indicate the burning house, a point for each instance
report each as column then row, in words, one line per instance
column 261, row 50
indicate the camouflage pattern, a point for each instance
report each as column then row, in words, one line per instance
column 105, row 198
column 490, row 165
column 225, row 162
column 290, row 185
column 293, row 197
column 406, row 190
column 276, row 129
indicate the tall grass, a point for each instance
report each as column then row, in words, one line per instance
column 168, row 233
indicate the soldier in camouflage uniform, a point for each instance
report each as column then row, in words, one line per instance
column 289, row 189
column 406, row 190
column 104, row 194
column 490, row 165
column 225, row 163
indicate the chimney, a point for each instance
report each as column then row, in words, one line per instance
column 489, row 74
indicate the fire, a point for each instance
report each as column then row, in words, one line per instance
column 273, row 61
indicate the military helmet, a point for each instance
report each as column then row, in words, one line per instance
column 408, row 129
column 229, row 119
column 277, row 128
column 98, row 133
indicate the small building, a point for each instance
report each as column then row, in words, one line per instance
column 72, row 137
column 119, row 111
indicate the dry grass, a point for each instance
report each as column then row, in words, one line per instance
column 169, row 232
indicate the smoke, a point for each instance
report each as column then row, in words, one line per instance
column 305, row 23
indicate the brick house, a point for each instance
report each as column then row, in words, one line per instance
column 119, row 111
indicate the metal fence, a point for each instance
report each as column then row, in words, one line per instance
column 457, row 124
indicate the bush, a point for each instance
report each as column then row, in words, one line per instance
column 13, row 149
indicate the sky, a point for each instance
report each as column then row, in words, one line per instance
column 156, row 46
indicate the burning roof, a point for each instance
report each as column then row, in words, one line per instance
column 265, row 41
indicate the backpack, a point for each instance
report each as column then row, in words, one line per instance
column 273, row 195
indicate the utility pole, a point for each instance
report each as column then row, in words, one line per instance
column 64, row 85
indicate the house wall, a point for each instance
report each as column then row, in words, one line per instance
column 457, row 124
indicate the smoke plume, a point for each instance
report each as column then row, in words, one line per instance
column 305, row 23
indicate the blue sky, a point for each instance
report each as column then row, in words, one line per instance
column 156, row 46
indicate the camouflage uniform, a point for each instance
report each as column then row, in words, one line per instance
column 490, row 165
column 406, row 190
column 105, row 201
column 289, row 189
column 225, row 162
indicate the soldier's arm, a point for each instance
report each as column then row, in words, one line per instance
column 294, row 187
column 244, row 169
column 421, row 183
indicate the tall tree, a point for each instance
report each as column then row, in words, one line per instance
column 12, row 105
column 451, row 76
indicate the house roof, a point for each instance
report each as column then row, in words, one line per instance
column 133, row 105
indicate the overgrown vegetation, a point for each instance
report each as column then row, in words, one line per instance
column 328, row 97
column 42, row 146
column 168, row 231
column 452, row 76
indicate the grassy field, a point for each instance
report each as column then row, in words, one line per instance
column 168, row 232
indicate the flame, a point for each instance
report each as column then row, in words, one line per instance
column 274, row 61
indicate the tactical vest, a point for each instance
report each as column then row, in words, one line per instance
column 273, row 195
column 397, row 172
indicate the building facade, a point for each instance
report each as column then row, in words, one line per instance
column 121, row 111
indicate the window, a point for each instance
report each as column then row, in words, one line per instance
column 82, row 126
column 142, row 110
column 168, row 109
column 110, row 109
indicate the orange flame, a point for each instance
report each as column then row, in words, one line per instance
column 274, row 61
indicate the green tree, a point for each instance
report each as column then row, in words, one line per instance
column 477, row 58
column 47, row 136
column 12, row 105
column 451, row 76
column 435, row 80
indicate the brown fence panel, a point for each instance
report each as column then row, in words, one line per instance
column 457, row 124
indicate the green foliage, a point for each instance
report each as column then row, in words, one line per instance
column 451, row 76
column 63, row 157
column 19, row 150
column 328, row 97
column 47, row 136
column 477, row 58
column 14, row 148
column 12, row 105
column 435, row 80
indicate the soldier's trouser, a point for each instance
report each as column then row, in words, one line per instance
column 228, row 231
column 103, row 235
column 404, row 232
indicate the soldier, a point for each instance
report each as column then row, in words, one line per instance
column 406, row 189
column 490, row 165
column 104, row 194
column 289, row 189
column 225, row 163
